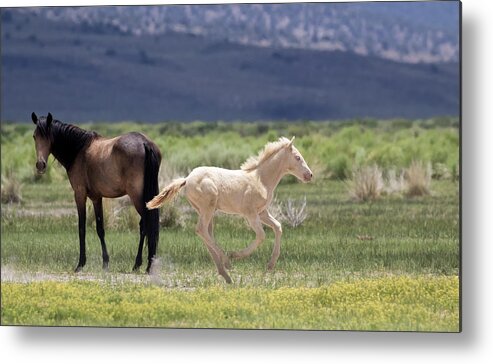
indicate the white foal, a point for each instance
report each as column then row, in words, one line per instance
column 247, row 192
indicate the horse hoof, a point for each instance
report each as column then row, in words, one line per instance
column 135, row 269
column 227, row 278
column 270, row 268
column 78, row 269
column 106, row 266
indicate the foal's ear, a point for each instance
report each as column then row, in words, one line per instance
column 49, row 119
column 34, row 118
column 291, row 142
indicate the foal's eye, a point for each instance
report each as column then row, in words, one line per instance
column 298, row 158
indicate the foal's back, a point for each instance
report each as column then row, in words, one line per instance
column 229, row 190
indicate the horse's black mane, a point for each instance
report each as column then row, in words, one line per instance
column 67, row 140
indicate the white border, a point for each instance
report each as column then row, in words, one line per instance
column 474, row 345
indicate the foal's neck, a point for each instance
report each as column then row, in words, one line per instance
column 271, row 171
column 68, row 141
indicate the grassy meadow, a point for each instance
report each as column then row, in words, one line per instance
column 389, row 262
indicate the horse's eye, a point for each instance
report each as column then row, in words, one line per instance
column 298, row 158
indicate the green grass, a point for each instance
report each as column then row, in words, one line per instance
column 331, row 148
column 401, row 276
column 401, row 304
column 415, row 236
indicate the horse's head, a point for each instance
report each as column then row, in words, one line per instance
column 296, row 164
column 42, row 140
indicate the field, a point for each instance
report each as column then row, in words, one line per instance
column 390, row 263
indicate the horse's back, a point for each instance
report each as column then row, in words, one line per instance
column 132, row 144
column 218, row 175
column 227, row 188
column 116, row 165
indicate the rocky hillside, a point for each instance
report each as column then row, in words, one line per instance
column 408, row 32
column 87, row 64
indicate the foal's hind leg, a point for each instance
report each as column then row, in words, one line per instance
column 98, row 212
column 202, row 230
column 223, row 256
column 210, row 229
column 256, row 225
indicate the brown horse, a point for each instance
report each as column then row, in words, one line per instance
column 98, row 167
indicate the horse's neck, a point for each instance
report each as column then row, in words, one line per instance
column 66, row 146
column 271, row 171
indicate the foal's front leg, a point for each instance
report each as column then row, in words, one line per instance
column 269, row 220
column 80, row 200
column 256, row 225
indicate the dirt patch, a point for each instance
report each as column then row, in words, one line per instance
column 166, row 280
column 14, row 210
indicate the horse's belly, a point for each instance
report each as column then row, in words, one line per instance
column 107, row 186
column 228, row 209
column 237, row 203
column 108, row 192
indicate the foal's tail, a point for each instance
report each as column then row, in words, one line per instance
column 151, row 188
column 167, row 193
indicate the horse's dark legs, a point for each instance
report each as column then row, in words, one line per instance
column 98, row 212
column 80, row 200
column 137, row 201
column 138, row 259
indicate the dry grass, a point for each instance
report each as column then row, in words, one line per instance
column 171, row 216
column 118, row 213
column 395, row 184
column 366, row 184
column 11, row 188
column 167, row 173
column 418, row 179
column 292, row 212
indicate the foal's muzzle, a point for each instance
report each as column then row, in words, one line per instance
column 308, row 176
column 41, row 167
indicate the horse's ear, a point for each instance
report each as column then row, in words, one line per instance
column 34, row 118
column 291, row 142
column 49, row 119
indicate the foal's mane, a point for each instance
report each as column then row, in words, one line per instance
column 269, row 150
column 67, row 140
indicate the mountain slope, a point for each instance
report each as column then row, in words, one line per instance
column 84, row 73
column 401, row 31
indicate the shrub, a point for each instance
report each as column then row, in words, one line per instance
column 11, row 188
column 293, row 212
column 171, row 216
column 167, row 173
column 418, row 179
column 124, row 214
column 339, row 167
column 441, row 171
column 395, row 183
column 118, row 213
column 366, row 183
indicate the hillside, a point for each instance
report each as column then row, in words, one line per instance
column 401, row 31
column 82, row 72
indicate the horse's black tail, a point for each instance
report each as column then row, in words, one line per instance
column 151, row 189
